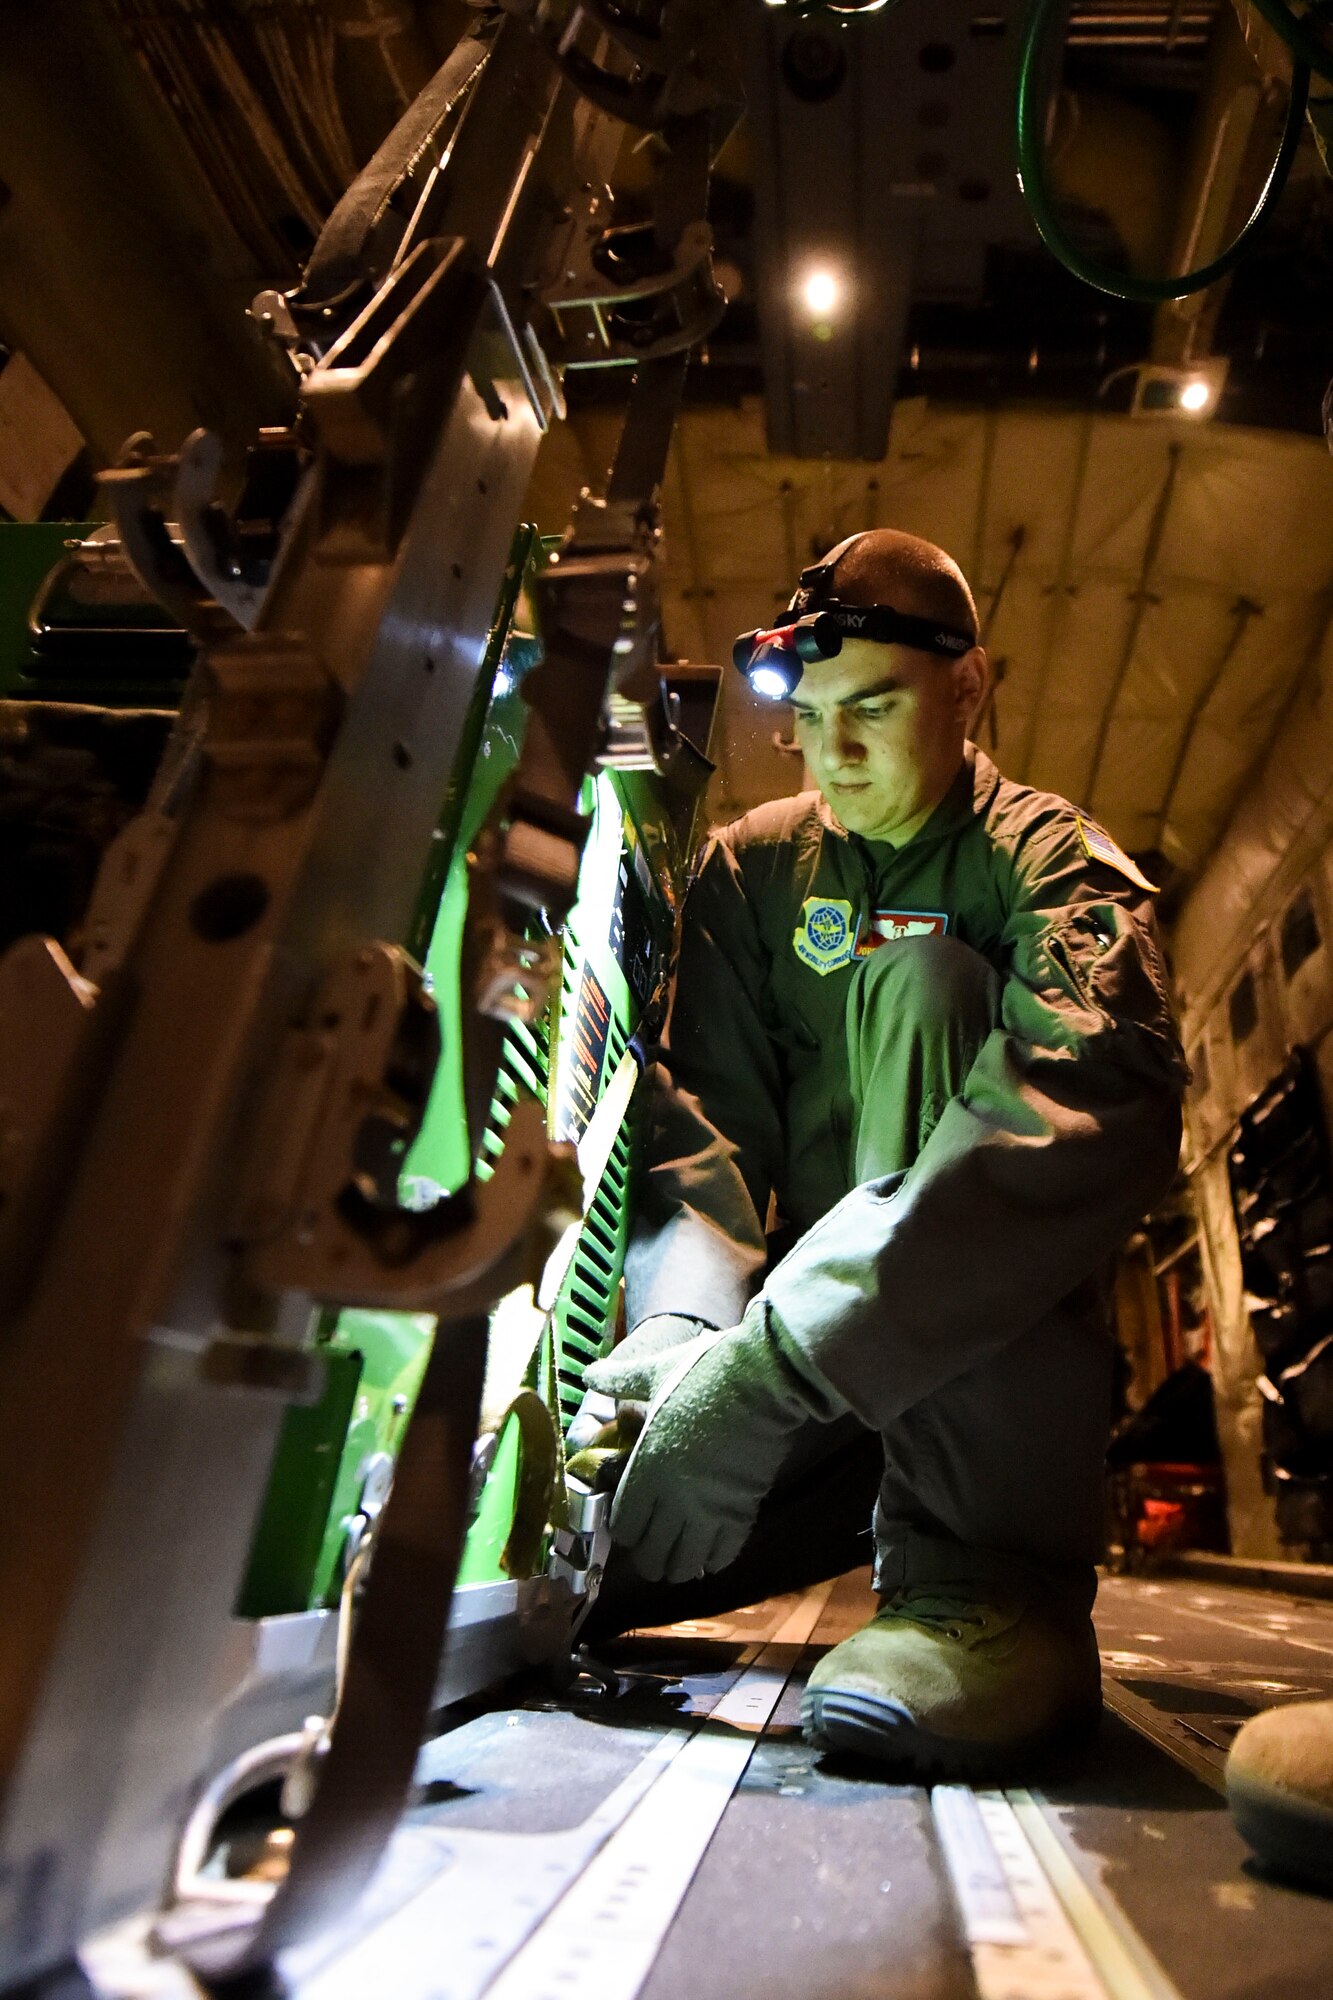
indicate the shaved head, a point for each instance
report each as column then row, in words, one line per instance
column 883, row 723
column 885, row 566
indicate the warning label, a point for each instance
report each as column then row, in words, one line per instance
column 582, row 1052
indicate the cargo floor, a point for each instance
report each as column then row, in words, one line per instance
column 682, row 1840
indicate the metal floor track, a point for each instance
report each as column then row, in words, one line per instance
column 683, row 1843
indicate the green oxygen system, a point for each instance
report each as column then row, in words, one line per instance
column 579, row 1058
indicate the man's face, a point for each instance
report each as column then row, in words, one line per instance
column 882, row 728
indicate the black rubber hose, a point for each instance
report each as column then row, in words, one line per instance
column 1032, row 101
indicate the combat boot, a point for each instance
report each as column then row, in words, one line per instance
column 945, row 1682
column 1280, row 1789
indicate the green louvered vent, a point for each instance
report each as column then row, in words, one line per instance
column 525, row 1064
column 586, row 1311
column 587, row 1308
column 617, row 1041
column 571, row 964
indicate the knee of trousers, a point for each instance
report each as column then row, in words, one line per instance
column 932, row 978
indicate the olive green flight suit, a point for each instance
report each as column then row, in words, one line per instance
column 952, row 1070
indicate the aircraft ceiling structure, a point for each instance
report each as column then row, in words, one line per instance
column 1171, row 582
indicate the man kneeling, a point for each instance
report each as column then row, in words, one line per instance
column 922, row 1013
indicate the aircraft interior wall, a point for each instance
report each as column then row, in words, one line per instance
column 1253, row 959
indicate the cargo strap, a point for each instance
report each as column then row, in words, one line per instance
column 387, row 1692
column 345, row 252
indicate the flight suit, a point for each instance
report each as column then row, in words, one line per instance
column 952, row 1071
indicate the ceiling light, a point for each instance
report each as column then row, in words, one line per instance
column 821, row 293
column 1192, row 392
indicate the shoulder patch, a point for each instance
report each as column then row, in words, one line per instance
column 1099, row 846
column 825, row 938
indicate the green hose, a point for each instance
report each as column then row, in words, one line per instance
column 1036, row 187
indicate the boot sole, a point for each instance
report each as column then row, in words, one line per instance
column 866, row 1726
column 1292, row 1835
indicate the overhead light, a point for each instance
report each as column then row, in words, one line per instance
column 821, row 292
column 1192, row 392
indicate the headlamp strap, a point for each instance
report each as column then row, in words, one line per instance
column 880, row 622
column 814, row 584
column 887, row 627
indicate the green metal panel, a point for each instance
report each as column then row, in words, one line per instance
column 375, row 1362
column 483, row 1551
column 29, row 550
column 293, row 1524
column 438, row 1159
column 300, row 1549
column 614, row 944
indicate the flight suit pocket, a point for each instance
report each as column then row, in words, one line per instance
column 1112, row 962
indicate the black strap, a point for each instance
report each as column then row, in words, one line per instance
column 391, row 1676
column 887, row 626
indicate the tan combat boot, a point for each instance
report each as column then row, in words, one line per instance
column 944, row 1682
column 1280, row 1789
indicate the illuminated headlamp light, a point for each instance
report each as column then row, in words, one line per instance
column 773, row 661
column 775, row 677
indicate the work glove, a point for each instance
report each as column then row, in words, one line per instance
column 632, row 1373
column 723, row 1409
column 607, row 1421
column 594, row 1417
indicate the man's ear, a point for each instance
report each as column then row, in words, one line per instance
column 971, row 678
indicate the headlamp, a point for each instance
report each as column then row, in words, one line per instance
column 818, row 622
column 772, row 681
column 773, row 661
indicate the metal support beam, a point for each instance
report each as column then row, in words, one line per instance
column 1242, row 611
column 1060, row 594
column 1140, row 598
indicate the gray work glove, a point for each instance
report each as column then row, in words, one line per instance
column 606, row 1424
column 595, row 1415
column 640, row 1360
column 721, row 1417
column 633, row 1372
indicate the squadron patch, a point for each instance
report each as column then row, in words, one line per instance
column 825, row 937
column 1099, row 846
column 887, row 926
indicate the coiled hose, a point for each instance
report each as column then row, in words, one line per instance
column 1032, row 103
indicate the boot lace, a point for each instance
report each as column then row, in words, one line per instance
column 938, row 1610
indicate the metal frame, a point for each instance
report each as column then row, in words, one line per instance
column 243, row 978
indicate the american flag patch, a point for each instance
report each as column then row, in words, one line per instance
column 1099, row 846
